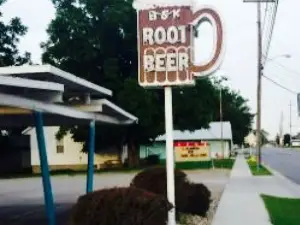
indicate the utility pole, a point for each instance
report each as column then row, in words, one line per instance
column 221, row 121
column 259, row 76
column 281, row 128
column 290, row 123
column 281, row 124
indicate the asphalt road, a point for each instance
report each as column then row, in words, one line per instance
column 285, row 161
column 22, row 203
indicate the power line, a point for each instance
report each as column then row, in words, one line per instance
column 266, row 13
column 279, row 85
column 266, row 29
column 291, row 71
column 270, row 29
column 287, row 68
column 272, row 24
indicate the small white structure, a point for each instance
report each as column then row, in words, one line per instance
column 295, row 143
column 250, row 139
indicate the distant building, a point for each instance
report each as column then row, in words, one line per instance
column 295, row 142
column 212, row 136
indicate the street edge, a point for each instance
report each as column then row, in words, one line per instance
column 280, row 175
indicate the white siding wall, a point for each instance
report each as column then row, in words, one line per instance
column 216, row 148
column 72, row 150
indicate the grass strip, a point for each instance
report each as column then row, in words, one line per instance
column 261, row 171
column 282, row 211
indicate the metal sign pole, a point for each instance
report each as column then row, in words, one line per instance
column 221, row 120
column 170, row 154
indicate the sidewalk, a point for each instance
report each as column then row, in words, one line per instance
column 241, row 203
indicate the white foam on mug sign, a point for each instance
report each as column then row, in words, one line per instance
column 150, row 4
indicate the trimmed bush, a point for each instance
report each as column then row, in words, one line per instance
column 155, row 180
column 152, row 160
column 193, row 199
column 190, row 198
column 120, row 206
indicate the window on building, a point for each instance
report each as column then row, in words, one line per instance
column 60, row 146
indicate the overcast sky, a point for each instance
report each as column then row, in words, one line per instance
column 240, row 60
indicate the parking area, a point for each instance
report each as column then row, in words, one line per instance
column 21, row 200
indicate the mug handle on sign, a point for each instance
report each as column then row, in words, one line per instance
column 208, row 14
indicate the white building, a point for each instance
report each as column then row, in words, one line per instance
column 66, row 153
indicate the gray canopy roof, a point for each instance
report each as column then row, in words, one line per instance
column 72, row 84
column 24, row 89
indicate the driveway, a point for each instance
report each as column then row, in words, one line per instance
column 21, row 200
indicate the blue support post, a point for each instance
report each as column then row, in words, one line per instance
column 91, row 152
column 48, row 196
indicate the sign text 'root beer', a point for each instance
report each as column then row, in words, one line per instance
column 165, row 42
column 170, row 61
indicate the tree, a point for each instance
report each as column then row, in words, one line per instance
column 96, row 40
column 9, row 38
column 263, row 136
column 277, row 140
column 287, row 140
column 235, row 109
column 10, row 35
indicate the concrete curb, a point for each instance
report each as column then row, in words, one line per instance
column 294, row 186
column 273, row 172
column 278, row 174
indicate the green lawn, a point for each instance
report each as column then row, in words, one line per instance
column 261, row 172
column 283, row 211
column 219, row 163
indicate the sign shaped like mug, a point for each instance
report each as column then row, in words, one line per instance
column 165, row 44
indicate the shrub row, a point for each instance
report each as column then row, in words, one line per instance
column 143, row 203
column 120, row 206
column 190, row 198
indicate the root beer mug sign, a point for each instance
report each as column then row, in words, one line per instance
column 166, row 38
